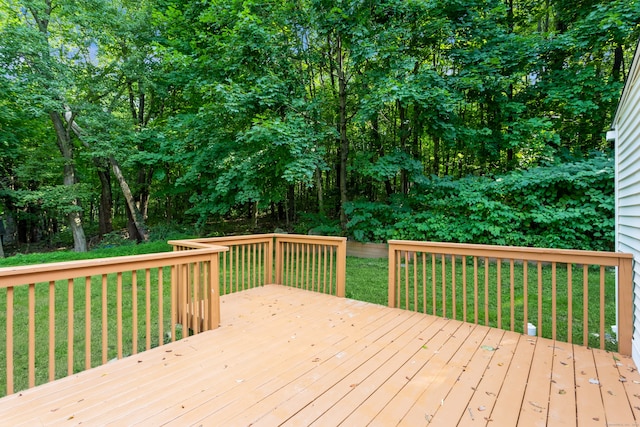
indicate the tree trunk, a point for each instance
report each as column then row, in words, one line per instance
column 136, row 216
column 436, row 155
column 319, row 189
column 253, row 207
column 106, row 203
column 342, row 125
column 617, row 63
column 66, row 149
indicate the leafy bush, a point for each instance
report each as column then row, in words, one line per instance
column 568, row 205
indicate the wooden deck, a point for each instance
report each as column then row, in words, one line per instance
column 285, row 356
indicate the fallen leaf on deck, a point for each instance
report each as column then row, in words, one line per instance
column 535, row 405
column 562, row 392
column 593, row 381
column 488, row 348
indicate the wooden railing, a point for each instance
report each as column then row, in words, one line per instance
column 561, row 294
column 316, row 263
column 247, row 264
column 65, row 317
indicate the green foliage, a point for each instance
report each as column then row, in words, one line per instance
column 215, row 109
column 568, row 205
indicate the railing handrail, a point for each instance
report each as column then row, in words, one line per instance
column 25, row 274
column 523, row 253
column 206, row 241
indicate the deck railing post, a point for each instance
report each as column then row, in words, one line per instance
column 341, row 268
column 279, row 264
column 214, row 292
column 625, row 307
column 392, row 276
column 268, row 259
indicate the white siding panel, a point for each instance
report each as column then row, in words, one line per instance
column 629, row 162
column 628, row 190
column 627, row 125
column 629, row 235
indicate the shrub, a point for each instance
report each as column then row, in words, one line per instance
column 567, row 205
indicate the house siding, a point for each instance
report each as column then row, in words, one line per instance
column 627, row 135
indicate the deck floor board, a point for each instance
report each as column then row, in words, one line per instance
column 285, row 356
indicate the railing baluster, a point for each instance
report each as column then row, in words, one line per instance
column 87, row 322
column 161, row 305
column 454, row 312
column 52, row 330
column 313, row 267
column 464, row 288
column 147, row 305
column 415, row 281
column 569, row 303
column 602, row 336
column 525, row 293
column 243, row 267
column 175, row 271
column 134, row 312
column 512, row 287
column 539, row 299
column 9, row 339
column 307, row 269
column 237, row 276
column 444, row 284
column 105, row 330
column 424, row 282
column 486, row 291
column 224, row 274
column 406, row 279
column 119, row 313
column 331, row 289
column 554, row 300
column 324, row 280
column 195, row 302
column 70, row 326
column 499, row 290
column 433, row 284
column 32, row 334
column 476, row 296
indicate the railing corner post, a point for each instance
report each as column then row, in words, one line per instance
column 214, row 292
column 278, row 264
column 625, row 306
column 341, row 268
column 392, row 277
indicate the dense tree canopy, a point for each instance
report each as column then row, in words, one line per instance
column 291, row 110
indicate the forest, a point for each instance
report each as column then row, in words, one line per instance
column 476, row 121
